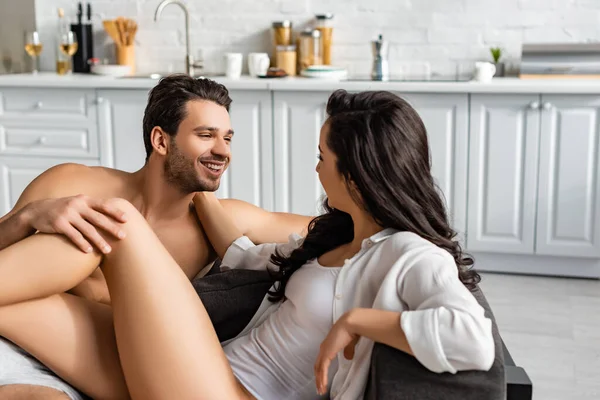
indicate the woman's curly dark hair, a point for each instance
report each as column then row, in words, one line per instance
column 381, row 146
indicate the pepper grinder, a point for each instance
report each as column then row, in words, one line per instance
column 381, row 67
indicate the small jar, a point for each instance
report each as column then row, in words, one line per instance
column 285, row 58
column 282, row 33
column 323, row 23
column 309, row 49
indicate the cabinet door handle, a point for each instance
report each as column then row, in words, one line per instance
column 100, row 100
column 547, row 106
column 534, row 105
column 39, row 105
column 42, row 140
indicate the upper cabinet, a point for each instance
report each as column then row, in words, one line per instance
column 568, row 220
column 298, row 117
column 446, row 118
column 504, row 145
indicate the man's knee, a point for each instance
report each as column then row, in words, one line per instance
column 31, row 392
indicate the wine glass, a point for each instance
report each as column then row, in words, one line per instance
column 33, row 47
column 68, row 46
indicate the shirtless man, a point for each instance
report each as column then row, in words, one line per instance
column 187, row 135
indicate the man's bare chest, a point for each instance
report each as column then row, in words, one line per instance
column 187, row 244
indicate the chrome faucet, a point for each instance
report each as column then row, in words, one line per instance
column 189, row 59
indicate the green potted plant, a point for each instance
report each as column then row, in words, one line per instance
column 496, row 55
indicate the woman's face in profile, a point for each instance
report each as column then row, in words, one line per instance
column 332, row 181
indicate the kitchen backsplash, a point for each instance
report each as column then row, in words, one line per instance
column 444, row 36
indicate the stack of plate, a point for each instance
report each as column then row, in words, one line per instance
column 325, row 72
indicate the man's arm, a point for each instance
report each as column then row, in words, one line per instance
column 50, row 205
column 263, row 226
column 14, row 227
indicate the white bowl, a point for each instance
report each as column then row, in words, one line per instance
column 111, row 70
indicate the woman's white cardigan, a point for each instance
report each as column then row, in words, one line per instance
column 395, row 271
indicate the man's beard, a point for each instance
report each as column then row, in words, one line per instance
column 181, row 172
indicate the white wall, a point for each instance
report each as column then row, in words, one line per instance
column 449, row 35
column 16, row 17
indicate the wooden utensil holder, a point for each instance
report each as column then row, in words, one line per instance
column 126, row 56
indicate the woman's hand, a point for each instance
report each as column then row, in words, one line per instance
column 78, row 218
column 339, row 337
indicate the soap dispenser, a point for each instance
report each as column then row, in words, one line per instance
column 381, row 68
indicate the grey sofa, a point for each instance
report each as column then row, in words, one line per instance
column 232, row 297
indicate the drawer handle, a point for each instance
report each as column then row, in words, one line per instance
column 39, row 105
column 42, row 140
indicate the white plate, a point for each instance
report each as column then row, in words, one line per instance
column 325, row 74
column 111, row 70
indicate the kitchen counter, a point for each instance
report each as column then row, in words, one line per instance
column 498, row 85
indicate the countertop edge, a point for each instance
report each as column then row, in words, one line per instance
column 496, row 86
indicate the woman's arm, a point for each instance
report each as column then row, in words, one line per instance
column 234, row 248
column 444, row 325
column 217, row 223
column 379, row 326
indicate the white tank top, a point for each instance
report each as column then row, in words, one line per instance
column 275, row 361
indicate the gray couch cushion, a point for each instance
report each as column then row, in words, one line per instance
column 231, row 298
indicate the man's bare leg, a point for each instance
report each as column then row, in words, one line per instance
column 31, row 392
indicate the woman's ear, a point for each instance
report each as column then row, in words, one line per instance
column 159, row 140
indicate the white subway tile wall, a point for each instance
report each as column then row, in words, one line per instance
column 443, row 37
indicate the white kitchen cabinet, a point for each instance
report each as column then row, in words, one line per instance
column 18, row 172
column 43, row 127
column 298, row 117
column 120, row 118
column 503, row 169
column 568, row 219
column 250, row 174
column 446, row 118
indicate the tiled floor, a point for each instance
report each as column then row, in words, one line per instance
column 551, row 327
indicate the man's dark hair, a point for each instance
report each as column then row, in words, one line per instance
column 167, row 102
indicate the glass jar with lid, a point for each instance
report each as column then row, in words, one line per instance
column 282, row 34
column 323, row 23
column 285, row 58
column 309, row 49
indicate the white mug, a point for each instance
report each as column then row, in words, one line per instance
column 484, row 71
column 233, row 65
column 258, row 64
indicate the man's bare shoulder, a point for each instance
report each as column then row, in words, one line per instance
column 71, row 179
